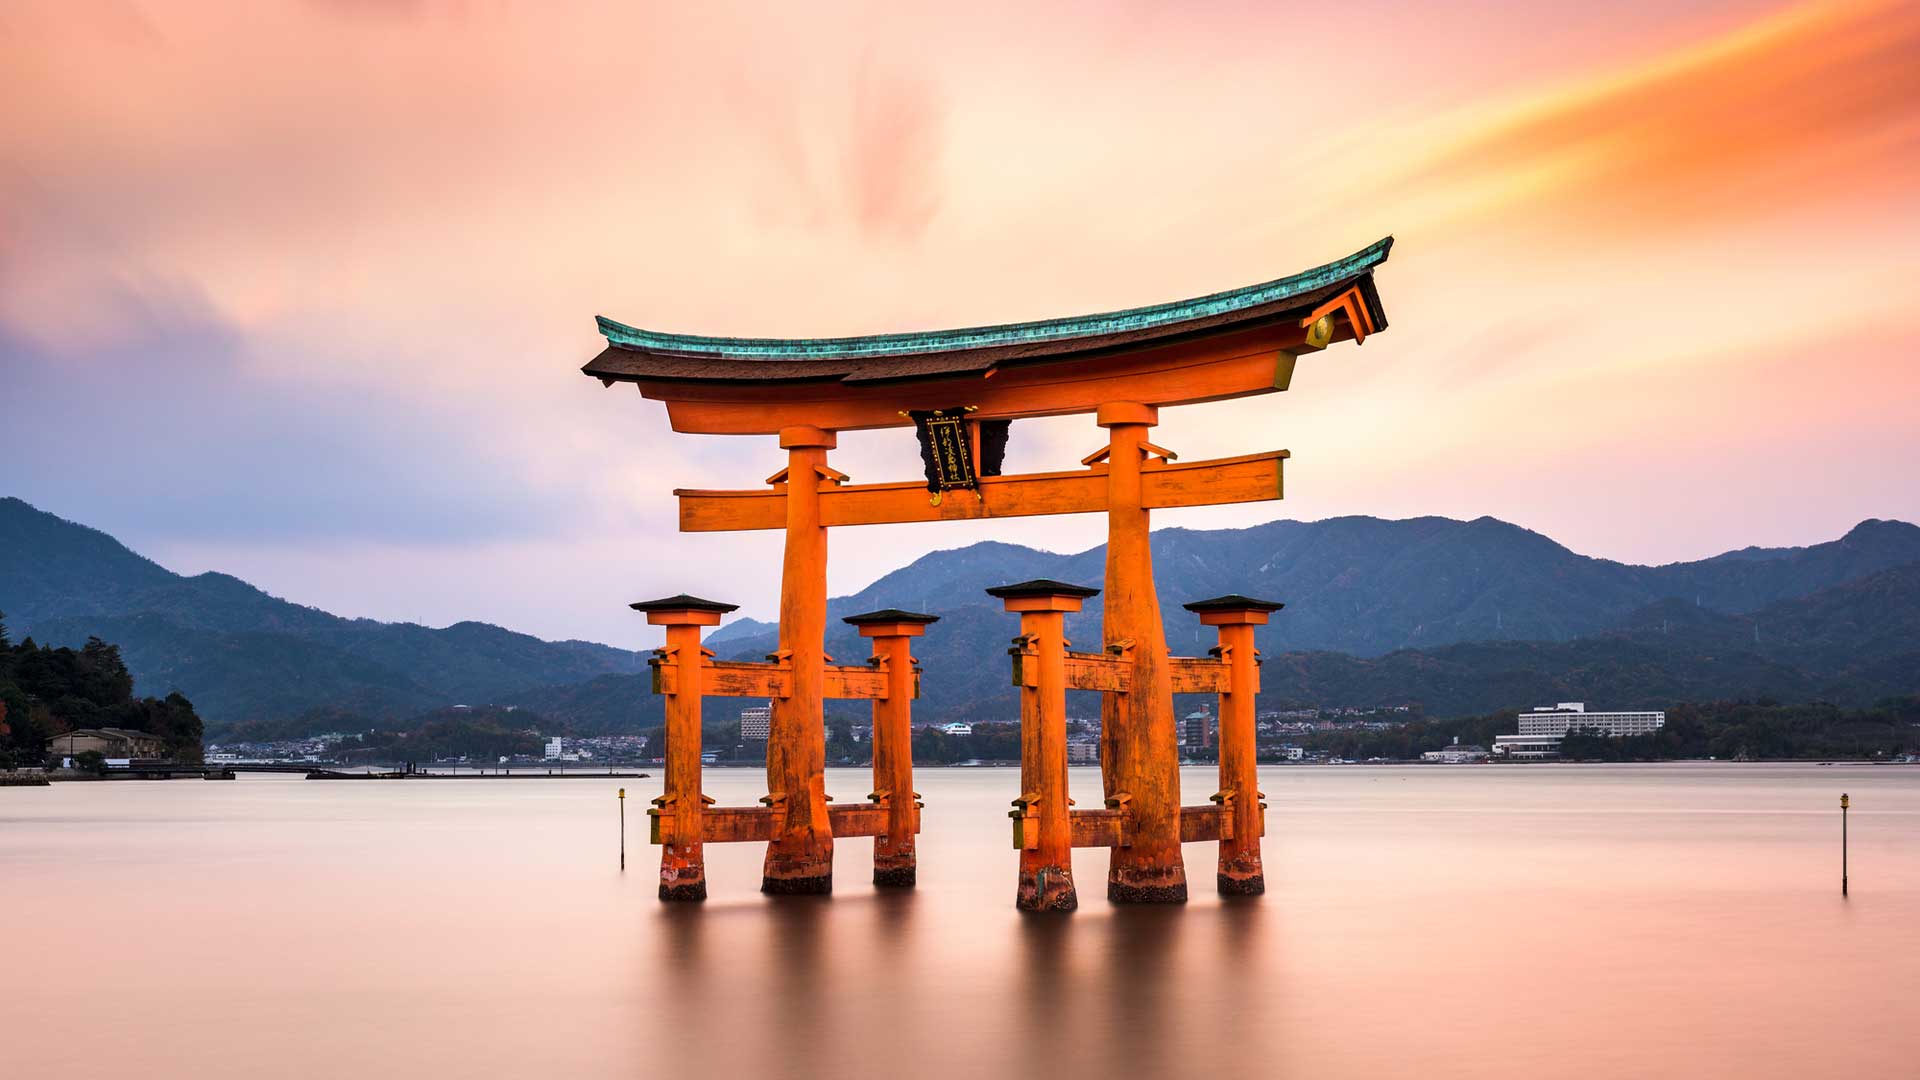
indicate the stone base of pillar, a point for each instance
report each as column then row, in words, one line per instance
column 1241, row 875
column 818, row 885
column 1048, row 888
column 898, row 875
column 797, row 869
column 684, row 884
column 681, row 879
column 1234, row 885
column 1145, row 885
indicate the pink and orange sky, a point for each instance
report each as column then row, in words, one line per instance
column 298, row 291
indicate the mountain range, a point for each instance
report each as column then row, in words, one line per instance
column 241, row 654
column 1451, row 616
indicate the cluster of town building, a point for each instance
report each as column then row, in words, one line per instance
column 1538, row 738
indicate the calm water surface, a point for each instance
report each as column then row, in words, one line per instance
column 1443, row 921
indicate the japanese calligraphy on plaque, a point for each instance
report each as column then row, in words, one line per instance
column 946, row 448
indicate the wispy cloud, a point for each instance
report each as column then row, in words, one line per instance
column 303, row 288
column 1816, row 103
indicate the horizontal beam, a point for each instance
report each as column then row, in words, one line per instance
column 737, row 824
column 1107, row 828
column 727, row 678
column 1164, row 485
column 864, row 819
column 1198, row 823
column 751, row 824
column 1104, row 672
column 1200, row 675
column 1259, row 360
column 742, row 678
column 866, row 683
column 747, row 678
column 1098, row 828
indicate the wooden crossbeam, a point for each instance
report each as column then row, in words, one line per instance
column 744, row 678
column 867, row 683
column 738, row 824
column 1164, row 484
column 750, row 824
column 1108, row 827
column 1198, row 823
column 1254, row 361
column 727, row 678
column 1105, row 672
column 1200, row 675
column 1098, row 828
column 863, row 819
column 741, row 678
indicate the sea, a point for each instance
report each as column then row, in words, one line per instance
column 1536, row 921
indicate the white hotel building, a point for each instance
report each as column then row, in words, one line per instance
column 1542, row 728
column 755, row 722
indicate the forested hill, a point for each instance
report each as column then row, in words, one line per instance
column 241, row 654
column 1852, row 643
column 1366, row 586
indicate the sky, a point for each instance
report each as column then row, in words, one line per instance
column 299, row 291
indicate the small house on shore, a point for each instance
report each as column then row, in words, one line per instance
column 109, row 742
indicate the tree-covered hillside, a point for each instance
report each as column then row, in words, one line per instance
column 243, row 655
column 47, row 691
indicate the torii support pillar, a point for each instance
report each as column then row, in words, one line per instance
column 800, row 858
column 1139, row 761
column 1235, row 617
column 676, row 813
column 892, row 630
column 1042, row 823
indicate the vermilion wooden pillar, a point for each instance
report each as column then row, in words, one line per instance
column 1042, row 823
column 676, row 813
column 1140, row 763
column 892, row 630
column 800, row 857
column 1235, row 616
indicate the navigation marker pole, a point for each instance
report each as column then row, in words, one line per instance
column 1843, row 843
column 623, row 828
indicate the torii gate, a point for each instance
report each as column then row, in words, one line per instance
column 1122, row 366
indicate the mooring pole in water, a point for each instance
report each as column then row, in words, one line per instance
column 1843, row 843
column 623, row 828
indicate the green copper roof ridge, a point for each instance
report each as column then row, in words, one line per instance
column 978, row 337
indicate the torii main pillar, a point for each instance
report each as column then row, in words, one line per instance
column 1139, row 760
column 800, row 859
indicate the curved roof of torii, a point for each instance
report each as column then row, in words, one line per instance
column 636, row 355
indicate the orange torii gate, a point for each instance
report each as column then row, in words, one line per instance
column 960, row 389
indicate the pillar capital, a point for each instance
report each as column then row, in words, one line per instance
column 890, row 622
column 1233, row 610
column 1126, row 412
column 803, row 436
column 1042, row 594
column 683, row 610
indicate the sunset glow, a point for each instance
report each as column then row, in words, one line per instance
column 299, row 291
